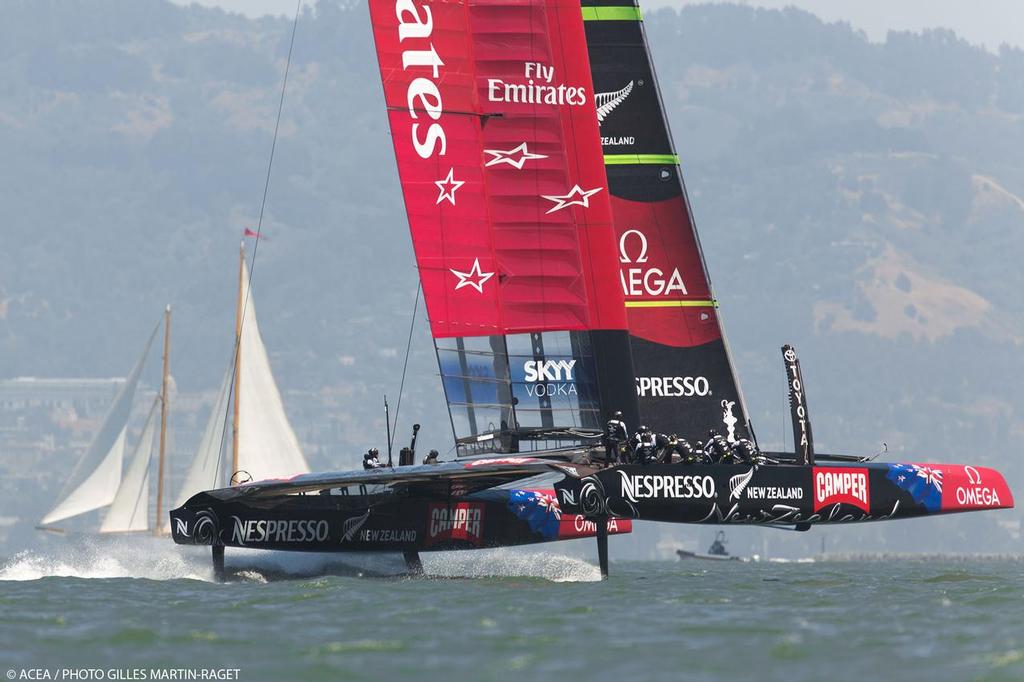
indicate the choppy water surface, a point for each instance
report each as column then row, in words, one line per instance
column 505, row 614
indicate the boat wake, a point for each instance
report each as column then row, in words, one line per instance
column 150, row 558
column 509, row 563
column 157, row 559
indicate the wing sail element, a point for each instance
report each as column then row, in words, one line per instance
column 684, row 374
column 495, row 132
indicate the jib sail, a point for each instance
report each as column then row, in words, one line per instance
column 495, row 131
column 684, row 376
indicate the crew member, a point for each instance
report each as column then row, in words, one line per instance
column 669, row 450
column 661, row 446
column 745, row 452
column 717, row 447
column 645, row 446
column 371, row 460
column 615, row 435
column 431, row 457
column 679, row 451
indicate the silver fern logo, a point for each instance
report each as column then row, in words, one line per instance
column 606, row 102
column 352, row 526
column 739, row 483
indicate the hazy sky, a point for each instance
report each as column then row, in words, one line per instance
column 987, row 22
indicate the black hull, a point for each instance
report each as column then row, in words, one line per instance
column 783, row 495
column 417, row 509
column 385, row 521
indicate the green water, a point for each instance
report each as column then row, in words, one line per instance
column 490, row 617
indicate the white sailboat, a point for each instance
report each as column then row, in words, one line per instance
column 98, row 481
column 263, row 443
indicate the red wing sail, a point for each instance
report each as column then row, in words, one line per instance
column 495, row 131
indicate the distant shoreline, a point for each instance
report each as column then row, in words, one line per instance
column 908, row 556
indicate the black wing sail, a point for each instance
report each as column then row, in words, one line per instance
column 684, row 375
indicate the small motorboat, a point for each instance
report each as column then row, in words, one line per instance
column 716, row 552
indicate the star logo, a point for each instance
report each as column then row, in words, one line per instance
column 447, row 187
column 513, row 157
column 475, row 278
column 577, row 196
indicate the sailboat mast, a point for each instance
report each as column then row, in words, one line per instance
column 163, row 423
column 238, row 356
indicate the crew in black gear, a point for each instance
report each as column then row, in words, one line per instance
column 680, row 448
column 615, row 436
column 669, row 449
column 431, row 458
column 717, row 448
column 645, row 446
column 661, row 445
column 371, row 459
column 745, row 452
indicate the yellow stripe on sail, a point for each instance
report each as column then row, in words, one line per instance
column 641, row 160
column 671, row 304
column 623, row 13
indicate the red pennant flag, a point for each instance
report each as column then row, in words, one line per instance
column 250, row 233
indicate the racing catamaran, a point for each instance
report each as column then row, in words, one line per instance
column 564, row 280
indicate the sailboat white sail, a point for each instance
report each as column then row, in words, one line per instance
column 267, row 446
column 266, row 443
column 95, row 479
column 207, row 470
column 129, row 512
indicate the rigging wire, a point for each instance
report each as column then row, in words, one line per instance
column 259, row 224
column 405, row 366
column 273, row 147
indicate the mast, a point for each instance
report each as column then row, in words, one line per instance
column 163, row 423
column 238, row 356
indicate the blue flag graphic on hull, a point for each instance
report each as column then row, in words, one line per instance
column 541, row 511
column 923, row 483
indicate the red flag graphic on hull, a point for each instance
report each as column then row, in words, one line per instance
column 495, row 133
